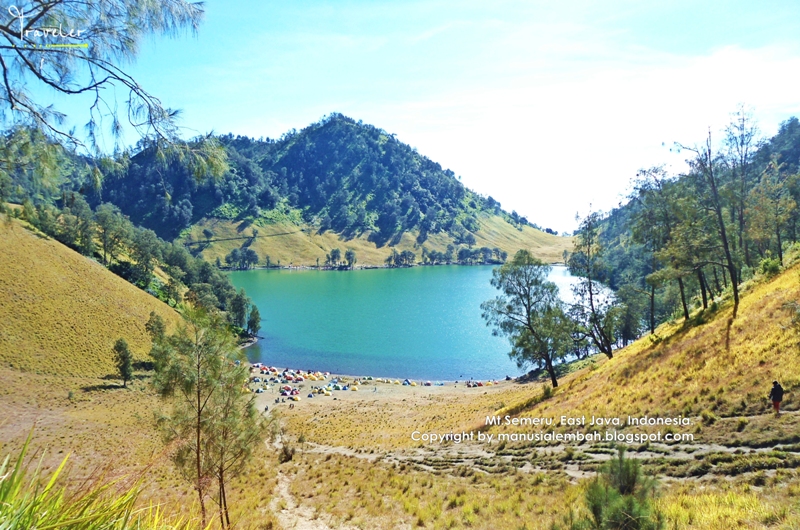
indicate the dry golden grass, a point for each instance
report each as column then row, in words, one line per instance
column 60, row 312
column 302, row 245
column 722, row 506
column 110, row 430
column 356, row 492
column 360, row 494
column 688, row 369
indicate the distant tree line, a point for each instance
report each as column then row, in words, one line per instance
column 242, row 258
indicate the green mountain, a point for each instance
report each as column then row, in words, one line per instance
column 337, row 177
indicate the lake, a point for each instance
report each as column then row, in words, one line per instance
column 419, row 322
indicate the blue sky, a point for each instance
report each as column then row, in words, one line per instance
column 548, row 106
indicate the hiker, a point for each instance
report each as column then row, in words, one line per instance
column 776, row 395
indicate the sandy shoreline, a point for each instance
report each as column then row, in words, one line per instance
column 374, row 391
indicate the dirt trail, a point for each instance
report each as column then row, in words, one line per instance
column 290, row 514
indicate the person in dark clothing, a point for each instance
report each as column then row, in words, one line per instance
column 776, row 395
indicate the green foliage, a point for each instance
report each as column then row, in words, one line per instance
column 225, row 211
column 35, row 500
column 114, row 230
column 619, row 498
column 350, row 257
column 339, row 173
column 333, row 258
column 595, row 312
column 254, row 321
column 281, row 213
column 201, row 373
column 78, row 227
column 31, row 165
column 237, row 312
column 156, row 327
column 242, row 258
column 530, row 314
column 769, row 267
column 667, row 241
column 114, row 34
column 124, row 360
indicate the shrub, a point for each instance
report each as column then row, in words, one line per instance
column 769, row 267
column 741, row 424
column 618, row 499
column 708, row 417
column 286, row 454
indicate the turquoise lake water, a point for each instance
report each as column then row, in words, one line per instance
column 420, row 322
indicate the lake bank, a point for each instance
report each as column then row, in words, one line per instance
column 367, row 267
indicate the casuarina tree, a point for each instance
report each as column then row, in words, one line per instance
column 530, row 313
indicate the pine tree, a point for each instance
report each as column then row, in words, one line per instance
column 124, row 361
column 254, row 321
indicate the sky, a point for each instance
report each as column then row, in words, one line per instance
column 550, row 107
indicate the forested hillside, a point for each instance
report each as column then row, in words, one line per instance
column 686, row 241
column 337, row 174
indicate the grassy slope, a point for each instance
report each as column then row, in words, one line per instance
column 60, row 312
column 302, row 245
column 688, row 370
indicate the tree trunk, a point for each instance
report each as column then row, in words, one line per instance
column 683, row 299
column 197, row 450
column 552, row 371
column 224, row 499
column 716, row 279
column 742, row 242
column 219, row 502
column 780, row 245
column 702, row 288
column 710, row 290
column 652, row 309
column 723, row 233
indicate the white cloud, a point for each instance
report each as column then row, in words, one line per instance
column 548, row 148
